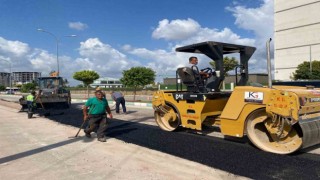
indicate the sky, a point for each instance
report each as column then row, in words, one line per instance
column 115, row 35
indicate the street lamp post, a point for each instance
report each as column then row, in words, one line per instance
column 10, row 77
column 57, row 45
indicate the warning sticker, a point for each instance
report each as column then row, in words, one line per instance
column 253, row 97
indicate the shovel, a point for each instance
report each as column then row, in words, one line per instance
column 80, row 129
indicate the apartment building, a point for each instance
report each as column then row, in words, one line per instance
column 297, row 39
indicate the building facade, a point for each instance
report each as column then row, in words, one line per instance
column 107, row 82
column 25, row 77
column 5, row 79
column 297, row 39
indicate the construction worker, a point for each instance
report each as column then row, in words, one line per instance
column 97, row 115
column 119, row 99
column 193, row 62
column 31, row 103
column 103, row 93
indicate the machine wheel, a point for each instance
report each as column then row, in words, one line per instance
column 169, row 121
column 257, row 125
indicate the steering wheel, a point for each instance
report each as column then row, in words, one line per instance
column 208, row 70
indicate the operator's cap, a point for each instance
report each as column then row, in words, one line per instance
column 98, row 89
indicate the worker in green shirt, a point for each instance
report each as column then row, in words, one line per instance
column 97, row 115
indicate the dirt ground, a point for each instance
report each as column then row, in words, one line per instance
column 38, row 148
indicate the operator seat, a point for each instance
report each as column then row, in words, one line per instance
column 191, row 78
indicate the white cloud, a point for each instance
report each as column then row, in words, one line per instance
column 78, row 26
column 93, row 55
column 260, row 20
column 43, row 61
column 104, row 59
column 126, row 47
column 24, row 58
column 178, row 29
column 13, row 48
column 165, row 62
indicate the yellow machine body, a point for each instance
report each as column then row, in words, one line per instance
column 277, row 119
column 299, row 106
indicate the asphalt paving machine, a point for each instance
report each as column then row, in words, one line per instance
column 50, row 94
column 276, row 119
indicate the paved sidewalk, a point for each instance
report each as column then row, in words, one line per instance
column 38, row 148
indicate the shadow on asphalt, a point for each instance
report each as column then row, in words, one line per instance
column 237, row 158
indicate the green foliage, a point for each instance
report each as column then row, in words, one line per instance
column 138, row 77
column 2, row 88
column 25, row 88
column 228, row 63
column 86, row 76
column 303, row 71
column 80, row 86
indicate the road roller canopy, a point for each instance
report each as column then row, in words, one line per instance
column 216, row 50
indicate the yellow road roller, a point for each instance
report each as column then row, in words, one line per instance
column 276, row 119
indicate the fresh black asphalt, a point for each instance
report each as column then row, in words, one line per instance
column 236, row 157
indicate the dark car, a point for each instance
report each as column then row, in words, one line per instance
column 10, row 92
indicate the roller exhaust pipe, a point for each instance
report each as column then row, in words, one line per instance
column 269, row 63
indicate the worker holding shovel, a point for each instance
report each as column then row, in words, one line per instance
column 97, row 115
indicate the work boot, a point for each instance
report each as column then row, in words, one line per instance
column 88, row 135
column 102, row 139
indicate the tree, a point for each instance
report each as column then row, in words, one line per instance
column 80, row 86
column 228, row 64
column 87, row 77
column 19, row 85
column 2, row 88
column 28, row 87
column 137, row 77
column 303, row 71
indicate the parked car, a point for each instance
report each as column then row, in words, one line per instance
column 10, row 92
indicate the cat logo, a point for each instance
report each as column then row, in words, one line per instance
column 179, row 96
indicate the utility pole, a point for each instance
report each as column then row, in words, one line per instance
column 57, row 46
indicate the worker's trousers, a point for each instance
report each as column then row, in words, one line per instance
column 121, row 101
column 97, row 120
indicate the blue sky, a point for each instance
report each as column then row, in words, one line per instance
column 115, row 35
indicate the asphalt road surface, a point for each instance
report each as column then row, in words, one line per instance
column 234, row 156
column 39, row 148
